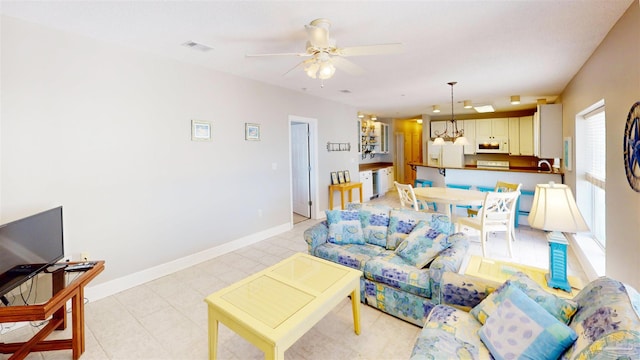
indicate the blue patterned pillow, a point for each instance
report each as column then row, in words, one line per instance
column 422, row 245
column 375, row 223
column 344, row 227
column 442, row 223
column 561, row 309
column 522, row 329
column 401, row 222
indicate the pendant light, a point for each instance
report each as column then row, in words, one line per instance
column 456, row 135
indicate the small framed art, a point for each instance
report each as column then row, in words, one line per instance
column 341, row 177
column 251, row 131
column 200, row 130
column 334, row 178
column 347, row 177
column 567, row 153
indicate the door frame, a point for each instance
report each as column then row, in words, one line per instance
column 313, row 163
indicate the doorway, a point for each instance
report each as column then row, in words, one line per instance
column 303, row 161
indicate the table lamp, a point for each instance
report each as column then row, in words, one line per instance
column 554, row 209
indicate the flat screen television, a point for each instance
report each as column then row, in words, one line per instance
column 28, row 246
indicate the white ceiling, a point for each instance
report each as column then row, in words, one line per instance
column 493, row 49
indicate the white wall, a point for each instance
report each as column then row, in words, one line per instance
column 105, row 131
column 613, row 74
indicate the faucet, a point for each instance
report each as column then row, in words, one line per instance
column 544, row 162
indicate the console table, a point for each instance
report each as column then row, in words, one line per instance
column 56, row 309
column 342, row 187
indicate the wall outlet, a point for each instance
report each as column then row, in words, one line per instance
column 84, row 256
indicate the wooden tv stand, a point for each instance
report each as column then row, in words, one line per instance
column 56, row 309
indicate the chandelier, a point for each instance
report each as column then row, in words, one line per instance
column 457, row 136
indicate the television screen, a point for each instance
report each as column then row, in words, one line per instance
column 29, row 245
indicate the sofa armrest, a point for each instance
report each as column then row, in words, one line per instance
column 449, row 260
column 316, row 235
column 464, row 291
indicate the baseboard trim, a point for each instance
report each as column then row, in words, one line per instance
column 115, row 286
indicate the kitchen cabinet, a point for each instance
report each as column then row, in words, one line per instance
column 390, row 178
column 366, row 178
column 492, row 128
column 521, row 136
column 384, row 137
column 382, row 183
column 438, row 127
column 547, row 131
column 469, row 127
column 514, row 136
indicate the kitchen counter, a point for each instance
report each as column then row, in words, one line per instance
column 375, row 166
column 533, row 170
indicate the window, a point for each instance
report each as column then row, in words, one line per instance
column 594, row 165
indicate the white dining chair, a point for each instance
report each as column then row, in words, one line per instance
column 407, row 196
column 497, row 214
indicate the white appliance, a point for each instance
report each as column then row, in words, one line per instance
column 366, row 178
column 381, row 182
column 445, row 156
column 492, row 145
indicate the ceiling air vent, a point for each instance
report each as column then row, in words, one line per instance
column 197, row 46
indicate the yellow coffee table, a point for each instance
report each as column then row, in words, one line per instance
column 500, row 271
column 272, row 309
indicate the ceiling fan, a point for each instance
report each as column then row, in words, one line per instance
column 324, row 56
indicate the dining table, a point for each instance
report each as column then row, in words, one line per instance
column 450, row 196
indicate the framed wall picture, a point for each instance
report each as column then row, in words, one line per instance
column 347, row 177
column 334, row 178
column 566, row 152
column 200, row 130
column 341, row 177
column 251, row 131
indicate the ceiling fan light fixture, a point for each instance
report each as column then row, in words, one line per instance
column 326, row 70
column 468, row 104
column 436, row 108
column 515, row 99
column 312, row 69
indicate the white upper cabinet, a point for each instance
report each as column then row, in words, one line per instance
column 547, row 131
column 438, row 127
column 526, row 136
column 492, row 128
column 384, row 138
column 514, row 136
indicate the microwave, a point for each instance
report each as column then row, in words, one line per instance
column 492, row 145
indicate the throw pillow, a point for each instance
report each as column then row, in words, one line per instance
column 422, row 245
column 401, row 222
column 522, row 329
column 375, row 222
column 344, row 227
column 561, row 309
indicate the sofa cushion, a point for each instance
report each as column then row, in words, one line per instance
column 520, row 328
column 375, row 223
column 390, row 269
column 561, row 309
column 351, row 255
column 401, row 223
column 344, row 227
column 422, row 245
column 449, row 333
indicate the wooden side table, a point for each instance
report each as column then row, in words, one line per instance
column 342, row 187
column 54, row 308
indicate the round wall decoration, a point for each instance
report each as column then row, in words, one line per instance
column 631, row 148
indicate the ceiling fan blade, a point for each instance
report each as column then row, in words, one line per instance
column 347, row 66
column 379, row 49
column 300, row 65
column 278, row 54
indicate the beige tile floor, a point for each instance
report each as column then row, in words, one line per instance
column 167, row 318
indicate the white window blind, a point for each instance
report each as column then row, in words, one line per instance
column 596, row 131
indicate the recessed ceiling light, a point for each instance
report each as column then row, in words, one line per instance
column 515, row 99
column 436, row 108
column 484, row 108
column 197, row 46
column 468, row 104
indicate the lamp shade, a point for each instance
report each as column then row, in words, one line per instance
column 438, row 141
column 461, row 141
column 554, row 209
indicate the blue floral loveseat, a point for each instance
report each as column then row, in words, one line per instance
column 519, row 320
column 402, row 254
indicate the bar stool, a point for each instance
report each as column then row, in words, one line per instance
column 425, row 183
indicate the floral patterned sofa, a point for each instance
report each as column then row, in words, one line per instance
column 397, row 278
column 601, row 322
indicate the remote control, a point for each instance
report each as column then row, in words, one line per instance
column 81, row 266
